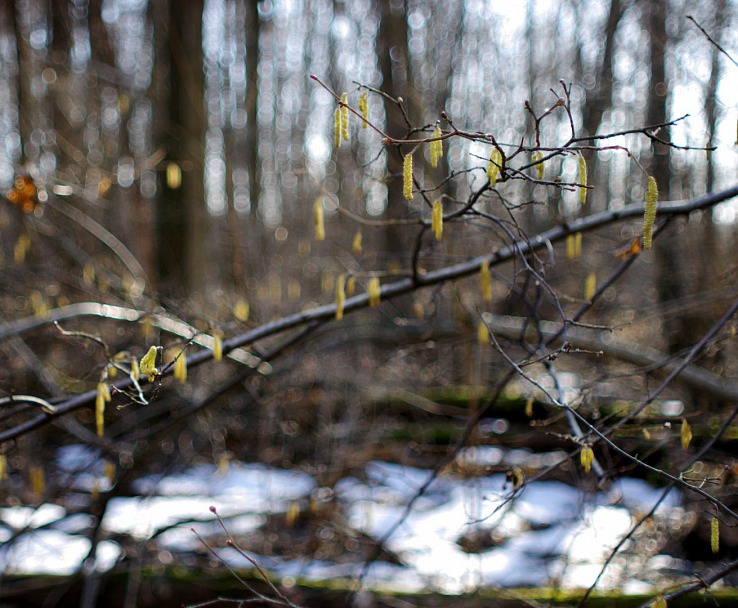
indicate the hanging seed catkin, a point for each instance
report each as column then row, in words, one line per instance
column 318, row 219
column 438, row 219
column 582, row 180
column 493, row 167
column 344, row 117
column 375, row 291
column 340, row 296
column 364, row 109
column 436, row 148
column 649, row 212
column 407, row 177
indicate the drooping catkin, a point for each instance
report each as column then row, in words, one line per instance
column 586, row 457
column 590, row 286
column 344, row 117
column 148, row 364
column 364, row 109
column 217, row 345
column 407, row 177
column 686, row 434
column 485, row 282
column 438, row 219
column 242, row 310
column 180, row 367
column 493, row 167
column 582, row 180
column 374, row 290
column 537, row 158
column 37, row 478
column 483, row 333
column 318, row 219
column 715, row 535
column 436, row 147
column 103, row 397
column 649, row 212
column 340, row 296
column 356, row 245
column 337, row 129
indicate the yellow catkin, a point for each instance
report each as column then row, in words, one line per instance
column 109, row 471
column 518, row 478
column 241, row 310
column 22, row 245
column 147, row 366
column 659, row 602
column 318, row 219
column 582, row 180
column 407, row 177
column 293, row 514
column 649, row 212
column 374, row 290
column 537, row 158
column 224, row 463
column 482, row 333
column 590, row 286
column 418, row 310
column 337, row 127
column 646, row 434
column 180, row 368
column 217, row 345
column 529, row 407
column 88, row 275
column 38, row 481
column 438, row 219
column 344, row 117
column 436, row 148
column 356, row 245
column 573, row 246
column 715, row 535
column 586, row 457
column 174, row 176
column 493, row 167
column 340, row 296
column 485, row 282
column 686, row 434
column 364, row 109
column 350, row 286
column 3, row 467
column 103, row 397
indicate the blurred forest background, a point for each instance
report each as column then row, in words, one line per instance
column 165, row 158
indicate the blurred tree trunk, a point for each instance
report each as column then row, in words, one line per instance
column 675, row 330
column 182, row 217
column 393, row 60
column 599, row 97
column 255, row 232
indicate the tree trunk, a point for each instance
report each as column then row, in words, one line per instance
column 182, row 219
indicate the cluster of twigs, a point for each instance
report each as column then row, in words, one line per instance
column 520, row 248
